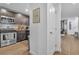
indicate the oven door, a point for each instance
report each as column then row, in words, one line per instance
column 8, row 38
column 3, row 39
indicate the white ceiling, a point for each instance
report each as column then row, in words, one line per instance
column 67, row 9
column 18, row 7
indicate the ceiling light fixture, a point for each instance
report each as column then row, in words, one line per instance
column 19, row 15
column 3, row 10
column 26, row 10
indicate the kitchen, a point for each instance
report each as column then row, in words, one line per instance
column 14, row 27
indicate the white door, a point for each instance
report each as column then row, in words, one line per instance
column 51, row 29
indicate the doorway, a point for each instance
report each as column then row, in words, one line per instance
column 69, row 29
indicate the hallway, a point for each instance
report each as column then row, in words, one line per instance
column 69, row 46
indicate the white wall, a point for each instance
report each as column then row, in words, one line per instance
column 74, row 25
column 58, row 28
column 69, row 10
column 41, row 42
column 38, row 38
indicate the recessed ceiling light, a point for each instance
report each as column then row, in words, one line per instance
column 26, row 10
column 19, row 15
column 3, row 10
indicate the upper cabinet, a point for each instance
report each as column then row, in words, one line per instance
column 15, row 17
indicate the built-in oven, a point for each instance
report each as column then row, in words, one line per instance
column 8, row 38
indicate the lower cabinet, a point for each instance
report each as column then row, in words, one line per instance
column 21, row 35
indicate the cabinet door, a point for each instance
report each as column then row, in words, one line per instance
column 12, row 39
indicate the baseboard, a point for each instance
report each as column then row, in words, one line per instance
column 59, row 50
column 33, row 53
column 51, row 53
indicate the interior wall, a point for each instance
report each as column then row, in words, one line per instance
column 58, row 28
column 38, row 38
column 41, row 42
column 69, row 10
column 74, row 25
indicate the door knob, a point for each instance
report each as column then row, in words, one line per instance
column 50, row 32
